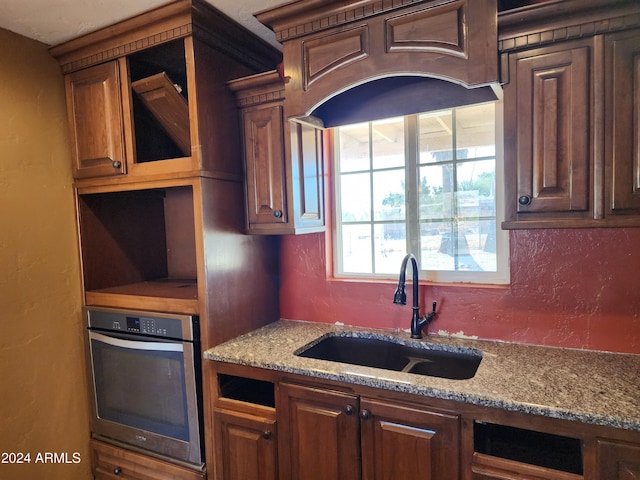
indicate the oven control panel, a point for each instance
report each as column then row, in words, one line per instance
column 142, row 323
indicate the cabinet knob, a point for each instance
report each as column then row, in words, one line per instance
column 117, row 471
column 267, row 434
column 365, row 415
column 116, row 164
column 277, row 213
column 524, row 200
column 349, row 410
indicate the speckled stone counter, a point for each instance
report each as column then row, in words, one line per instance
column 592, row 387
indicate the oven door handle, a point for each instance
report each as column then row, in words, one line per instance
column 136, row 345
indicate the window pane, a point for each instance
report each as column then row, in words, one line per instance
column 475, row 131
column 476, row 246
column 435, row 242
column 390, row 245
column 355, row 197
column 356, row 249
column 435, row 192
column 435, row 133
column 388, row 143
column 388, row 195
column 354, row 147
column 476, row 189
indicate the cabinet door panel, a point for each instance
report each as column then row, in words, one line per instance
column 553, row 155
column 264, row 155
column 618, row 461
column 319, row 434
column 96, row 122
column 622, row 117
column 245, row 447
column 401, row 442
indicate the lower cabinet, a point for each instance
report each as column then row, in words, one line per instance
column 245, row 446
column 618, row 460
column 111, row 462
column 332, row 434
column 270, row 426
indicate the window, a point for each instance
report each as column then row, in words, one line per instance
column 427, row 184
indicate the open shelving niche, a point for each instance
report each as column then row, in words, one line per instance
column 139, row 247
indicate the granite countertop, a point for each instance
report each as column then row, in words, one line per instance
column 592, row 387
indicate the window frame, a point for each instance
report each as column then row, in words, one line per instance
column 502, row 274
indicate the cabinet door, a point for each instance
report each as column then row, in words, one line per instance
column 318, row 434
column 622, row 123
column 94, row 108
column 264, row 156
column 245, row 447
column 618, row 461
column 547, row 133
column 403, row 442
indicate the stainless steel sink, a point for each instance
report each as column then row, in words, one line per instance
column 422, row 359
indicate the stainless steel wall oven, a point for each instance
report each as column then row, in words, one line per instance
column 145, row 375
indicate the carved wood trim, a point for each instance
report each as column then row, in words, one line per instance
column 326, row 54
column 257, row 89
column 573, row 19
column 438, row 29
column 170, row 22
column 296, row 20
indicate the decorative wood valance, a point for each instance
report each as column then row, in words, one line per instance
column 330, row 46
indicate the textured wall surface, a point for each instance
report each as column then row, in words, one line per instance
column 43, row 405
column 575, row 288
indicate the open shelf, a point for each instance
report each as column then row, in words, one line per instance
column 160, row 101
column 138, row 249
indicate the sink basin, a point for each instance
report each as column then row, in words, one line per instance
column 423, row 359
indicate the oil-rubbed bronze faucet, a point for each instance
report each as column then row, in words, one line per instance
column 418, row 323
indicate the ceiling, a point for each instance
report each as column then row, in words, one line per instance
column 55, row 21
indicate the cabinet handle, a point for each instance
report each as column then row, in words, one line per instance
column 524, row 200
column 116, row 164
column 365, row 415
column 267, row 434
column 277, row 213
column 117, row 471
column 349, row 410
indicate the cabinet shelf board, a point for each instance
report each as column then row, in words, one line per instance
column 170, row 295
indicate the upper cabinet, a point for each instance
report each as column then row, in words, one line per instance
column 139, row 96
column 571, row 115
column 330, row 47
column 284, row 160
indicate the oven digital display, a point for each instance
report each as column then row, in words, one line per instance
column 133, row 324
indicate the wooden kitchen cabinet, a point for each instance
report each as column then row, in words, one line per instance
column 284, row 161
column 246, row 446
column 622, row 126
column 408, row 441
column 111, row 462
column 147, row 100
column 571, row 105
column 618, row 460
column 333, row 434
column 96, row 121
column 547, row 134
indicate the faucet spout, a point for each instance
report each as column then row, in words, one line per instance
column 418, row 323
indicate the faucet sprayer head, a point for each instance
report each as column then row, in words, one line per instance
column 400, row 297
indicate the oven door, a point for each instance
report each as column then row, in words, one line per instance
column 144, row 394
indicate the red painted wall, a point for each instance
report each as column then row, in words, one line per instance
column 569, row 288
